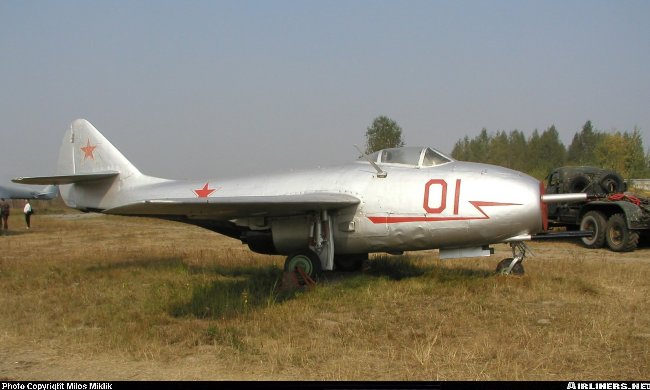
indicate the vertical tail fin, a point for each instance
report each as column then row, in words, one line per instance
column 85, row 151
column 93, row 174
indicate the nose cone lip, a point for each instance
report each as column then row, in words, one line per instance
column 532, row 215
column 543, row 206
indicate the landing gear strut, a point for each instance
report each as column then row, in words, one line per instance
column 319, row 254
column 513, row 265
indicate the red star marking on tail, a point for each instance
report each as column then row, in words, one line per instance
column 88, row 150
column 204, row 192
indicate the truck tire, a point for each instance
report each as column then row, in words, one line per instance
column 619, row 237
column 595, row 222
column 611, row 183
column 579, row 183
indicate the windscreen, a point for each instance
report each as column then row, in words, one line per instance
column 409, row 156
column 432, row 158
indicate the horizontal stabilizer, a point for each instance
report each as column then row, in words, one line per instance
column 239, row 206
column 65, row 179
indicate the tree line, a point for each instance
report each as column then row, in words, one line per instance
column 538, row 154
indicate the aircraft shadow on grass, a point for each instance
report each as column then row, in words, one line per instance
column 245, row 289
column 239, row 289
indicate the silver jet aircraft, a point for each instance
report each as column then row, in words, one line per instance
column 395, row 200
column 49, row 192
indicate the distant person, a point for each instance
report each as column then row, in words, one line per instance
column 4, row 214
column 28, row 214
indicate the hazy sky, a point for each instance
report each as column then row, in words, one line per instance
column 207, row 89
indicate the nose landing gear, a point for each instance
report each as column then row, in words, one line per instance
column 513, row 265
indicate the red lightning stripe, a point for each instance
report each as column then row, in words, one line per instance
column 476, row 204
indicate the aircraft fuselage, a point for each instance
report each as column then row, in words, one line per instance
column 452, row 205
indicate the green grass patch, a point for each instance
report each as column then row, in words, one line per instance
column 233, row 292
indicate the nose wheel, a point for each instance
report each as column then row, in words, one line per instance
column 513, row 265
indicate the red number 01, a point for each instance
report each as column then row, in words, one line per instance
column 443, row 197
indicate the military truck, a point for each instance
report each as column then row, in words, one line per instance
column 616, row 217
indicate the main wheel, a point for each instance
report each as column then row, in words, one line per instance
column 619, row 237
column 350, row 263
column 503, row 265
column 307, row 260
column 594, row 221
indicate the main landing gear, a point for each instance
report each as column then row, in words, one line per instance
column 319, row 252
column 513, row 265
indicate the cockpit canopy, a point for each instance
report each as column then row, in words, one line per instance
column 416, row 156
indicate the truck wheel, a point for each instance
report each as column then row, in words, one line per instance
column 594, row 221
column 619, row 237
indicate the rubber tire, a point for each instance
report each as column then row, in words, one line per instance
column 307, row 260
column 350, row 263
column 619, row 237
column 518, row 269
column 611, row 183
column 579, row 183
column 594, row 221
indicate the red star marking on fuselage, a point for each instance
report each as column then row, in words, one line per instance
column 204, row 192
column 88, row 150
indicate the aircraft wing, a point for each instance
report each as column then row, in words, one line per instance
column 21, row 193
column 4, row 193
column 238, row 206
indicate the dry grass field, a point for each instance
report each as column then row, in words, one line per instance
column 89, row 297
